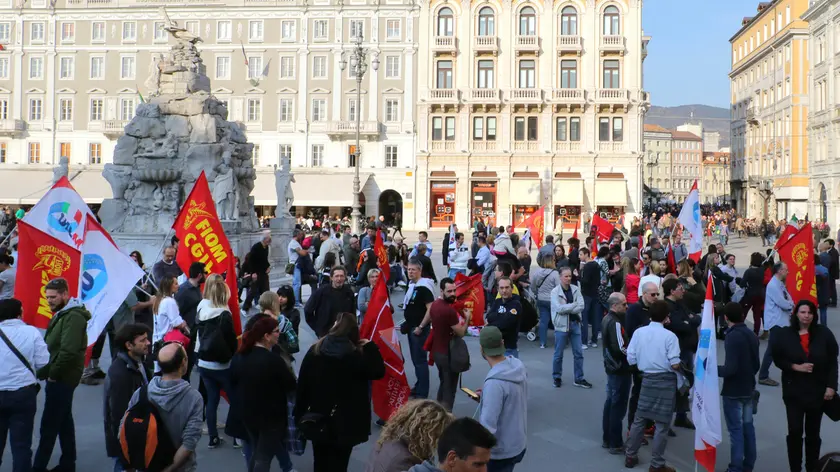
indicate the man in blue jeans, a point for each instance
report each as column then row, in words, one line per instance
column 619, row 379
column 566, row 307
column 419, row 297
column 295, row 250
column 590, row 280
column 738, row 373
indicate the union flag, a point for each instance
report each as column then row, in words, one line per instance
column 469, row 293
column 536, row 224
column 382, row 255
column 798, row 253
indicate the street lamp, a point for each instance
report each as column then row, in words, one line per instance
column 653, row 160
column 358, row 67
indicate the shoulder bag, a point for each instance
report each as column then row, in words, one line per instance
column 459, row 355
column 20, row 358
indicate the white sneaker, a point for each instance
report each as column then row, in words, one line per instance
column 584, row 347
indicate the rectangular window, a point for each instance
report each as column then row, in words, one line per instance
column 66, row 67
column 5, row 32
column 319, row 29
column 450, row 128
column 97, row 67
column 618, row 130
column 34, row 153
column 255, row 155
column 392, row 29
column 285, row 152
column 357, row 29
column 64, row 150
column 129, row 31
column 612, row 75
column 160, row 34
column 126, row 109
column 95, row 153
column 437, row 128
column 392, row 67
column 255, row 67
column 2, row 153
column 392, row 110
column 390, row 156
column 36, row 68
column 254, row 109
column 255, row 30
column 128, row 67
column 223, row 31
column 568, row 74
column 319, row 67
column 285, row 110
column 574, row 129
column 97, row 109
column 478, row 128
column 486, row 74
column 65, row 109
column 319, row 109
column 287, row 67
column 317, row 155
column 68, row 32
column 287, row 30
column 525, row 128
column 527, row 73
column 491, row 128
column 36, row 34
column 604, row 129
column 444, row 74
column 787, row 87
column 4, row 67
column 97, row 31
column 223, row 67
column 562, row 131
column 352, row 109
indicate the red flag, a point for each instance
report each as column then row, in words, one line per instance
column 201, row 238
column 382, row 255
column 536, row 223
column 469, row 293
column 42, row 258
column 391, row 391
column 593, row 251
column 672, row 263
column 603, row 228
column 787, row 233
column 577, row 223
column 798, row 254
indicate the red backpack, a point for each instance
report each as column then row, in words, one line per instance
column 144, row 441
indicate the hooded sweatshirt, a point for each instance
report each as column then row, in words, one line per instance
column 206, row 312
column 66, row 339
column 503, row 407
column 425, row 467
column 180, row 409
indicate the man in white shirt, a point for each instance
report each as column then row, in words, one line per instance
column 295, row 250
column 459, row 257
column 18, row 385
column 656, row 352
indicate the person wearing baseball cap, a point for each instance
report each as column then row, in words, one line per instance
column 503, row 401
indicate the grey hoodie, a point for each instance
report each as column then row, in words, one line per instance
column 503, row 407
column 180, row 408
column 424, row 467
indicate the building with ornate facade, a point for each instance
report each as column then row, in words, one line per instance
column 529, row 103
column 715, row 180
column 770, row 103
column 73, row 71
column 823, row 130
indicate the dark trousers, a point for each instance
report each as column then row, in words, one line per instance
column 57, row 423
column 634, row 398
column 331, row 457
column 255, row 289
column 757, row 306
column 505, row 465
column 96, row 351
column 618, row 391
column 420, row 362
column 17, row 420
column 832, row 292
column 448, row 381
column 764, row 371
column 683, row 404
column 266, row 444
column 812, row 419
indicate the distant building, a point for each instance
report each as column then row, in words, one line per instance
column 687, row 158
column 711, row 141
column 657, row 163
column 715, row 177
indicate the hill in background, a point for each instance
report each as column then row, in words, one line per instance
column 712, row 118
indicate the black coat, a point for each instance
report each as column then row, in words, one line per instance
column 188, row 297
column 319, row 312
column 806, row 389
column 721, row 281
column 338, row 378
column 444, row 249
column 684, row 325
column 615, row 343
column 123, row 379
column 638, row 315
column 834, row 268
column 263, row 380
column 259, row 259
column 753, row 281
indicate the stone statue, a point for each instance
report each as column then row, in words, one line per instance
column 283, row 179
column 176, row 31
column 224, row 192
column 62, row 169
column 155, row 68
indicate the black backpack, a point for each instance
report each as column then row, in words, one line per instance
column 212, row 346
column 145, row 444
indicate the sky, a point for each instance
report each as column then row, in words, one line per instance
column 689, row 57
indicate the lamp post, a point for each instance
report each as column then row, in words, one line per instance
column 358, row 67
column 652, row 162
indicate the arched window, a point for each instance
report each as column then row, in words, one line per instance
column 611, row 21
column 527, row 22
column 446, row 22
column 486, row 22
column 568, row 21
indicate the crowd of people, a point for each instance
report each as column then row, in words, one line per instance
column 622, row 297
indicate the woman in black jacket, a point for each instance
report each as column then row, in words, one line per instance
column 720, row 281
column 334, row 384
column 806, row 352
column 753, row 281
column 287, row 306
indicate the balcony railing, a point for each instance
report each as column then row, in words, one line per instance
column 12, row 128
column 136, row 3
column 567, row 146
column 611, row 147
column 612, row 43
column 444, row 44
column 485, row 95
column 448, row 95
column 613, row 95
column 527, row 146
column 347, row 128
column 569, row 43
column 443, row 145
column 567, row 95
column 482, row 146
column 528, row 42
column 485, row 43
column 114, row 128
column 526, row 95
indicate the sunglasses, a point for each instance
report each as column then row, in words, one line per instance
column 653, row 294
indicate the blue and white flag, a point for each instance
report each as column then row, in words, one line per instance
column 705, row 409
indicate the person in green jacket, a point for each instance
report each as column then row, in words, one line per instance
column 66, row 340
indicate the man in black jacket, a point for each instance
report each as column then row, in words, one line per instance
column 126, row 374
column 444, row 252
column 260, row 266
column 505, row 314
column 590, row 280
column 741, row 363
column 328, row 301
column 188, row 297
column 684, row 325
column 833, row 273
column 618, row 373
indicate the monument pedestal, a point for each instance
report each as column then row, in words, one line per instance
column 278, row 253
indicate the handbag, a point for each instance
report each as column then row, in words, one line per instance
column 290, row 268
column 831, row 408
column 295, row 442
column 318, row 427
column 22, row 359
column 459, row 355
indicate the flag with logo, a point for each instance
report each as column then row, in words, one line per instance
column 104, row 265
column 391, row 391
column 705, row 410
column 798, row 254
column 690, row 219
column 603, row 229
column 41, row 258
column 381, row 255
column 536, row 223
column 201, row 238
column 469, row 293
column 787, row 233
column 61, row 214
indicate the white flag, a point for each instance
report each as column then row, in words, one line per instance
column 690, row 219
column 104, row 265
column 61, row 213
column 705, row 407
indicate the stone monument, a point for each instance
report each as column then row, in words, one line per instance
column 178, row 132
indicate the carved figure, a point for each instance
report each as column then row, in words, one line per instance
column 62, row 169
column 283, row 179
column 224, row 192
column 155, row 68
column 178, row 32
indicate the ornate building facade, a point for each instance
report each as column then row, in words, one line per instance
column 529, row 103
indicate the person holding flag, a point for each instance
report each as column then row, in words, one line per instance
column 690, row 219
column 704, row 406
